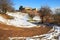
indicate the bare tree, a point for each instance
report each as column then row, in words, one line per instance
column 57, row 11
column 45, row 10
column 57, row 16
column 5, row 5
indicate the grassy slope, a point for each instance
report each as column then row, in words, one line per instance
column 11, row 31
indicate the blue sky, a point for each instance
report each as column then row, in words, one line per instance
column 36, row 3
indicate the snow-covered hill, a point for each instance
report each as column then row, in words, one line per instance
column 20, row 19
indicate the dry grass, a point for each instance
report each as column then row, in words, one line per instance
column 11, row 31
column 6, row 16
